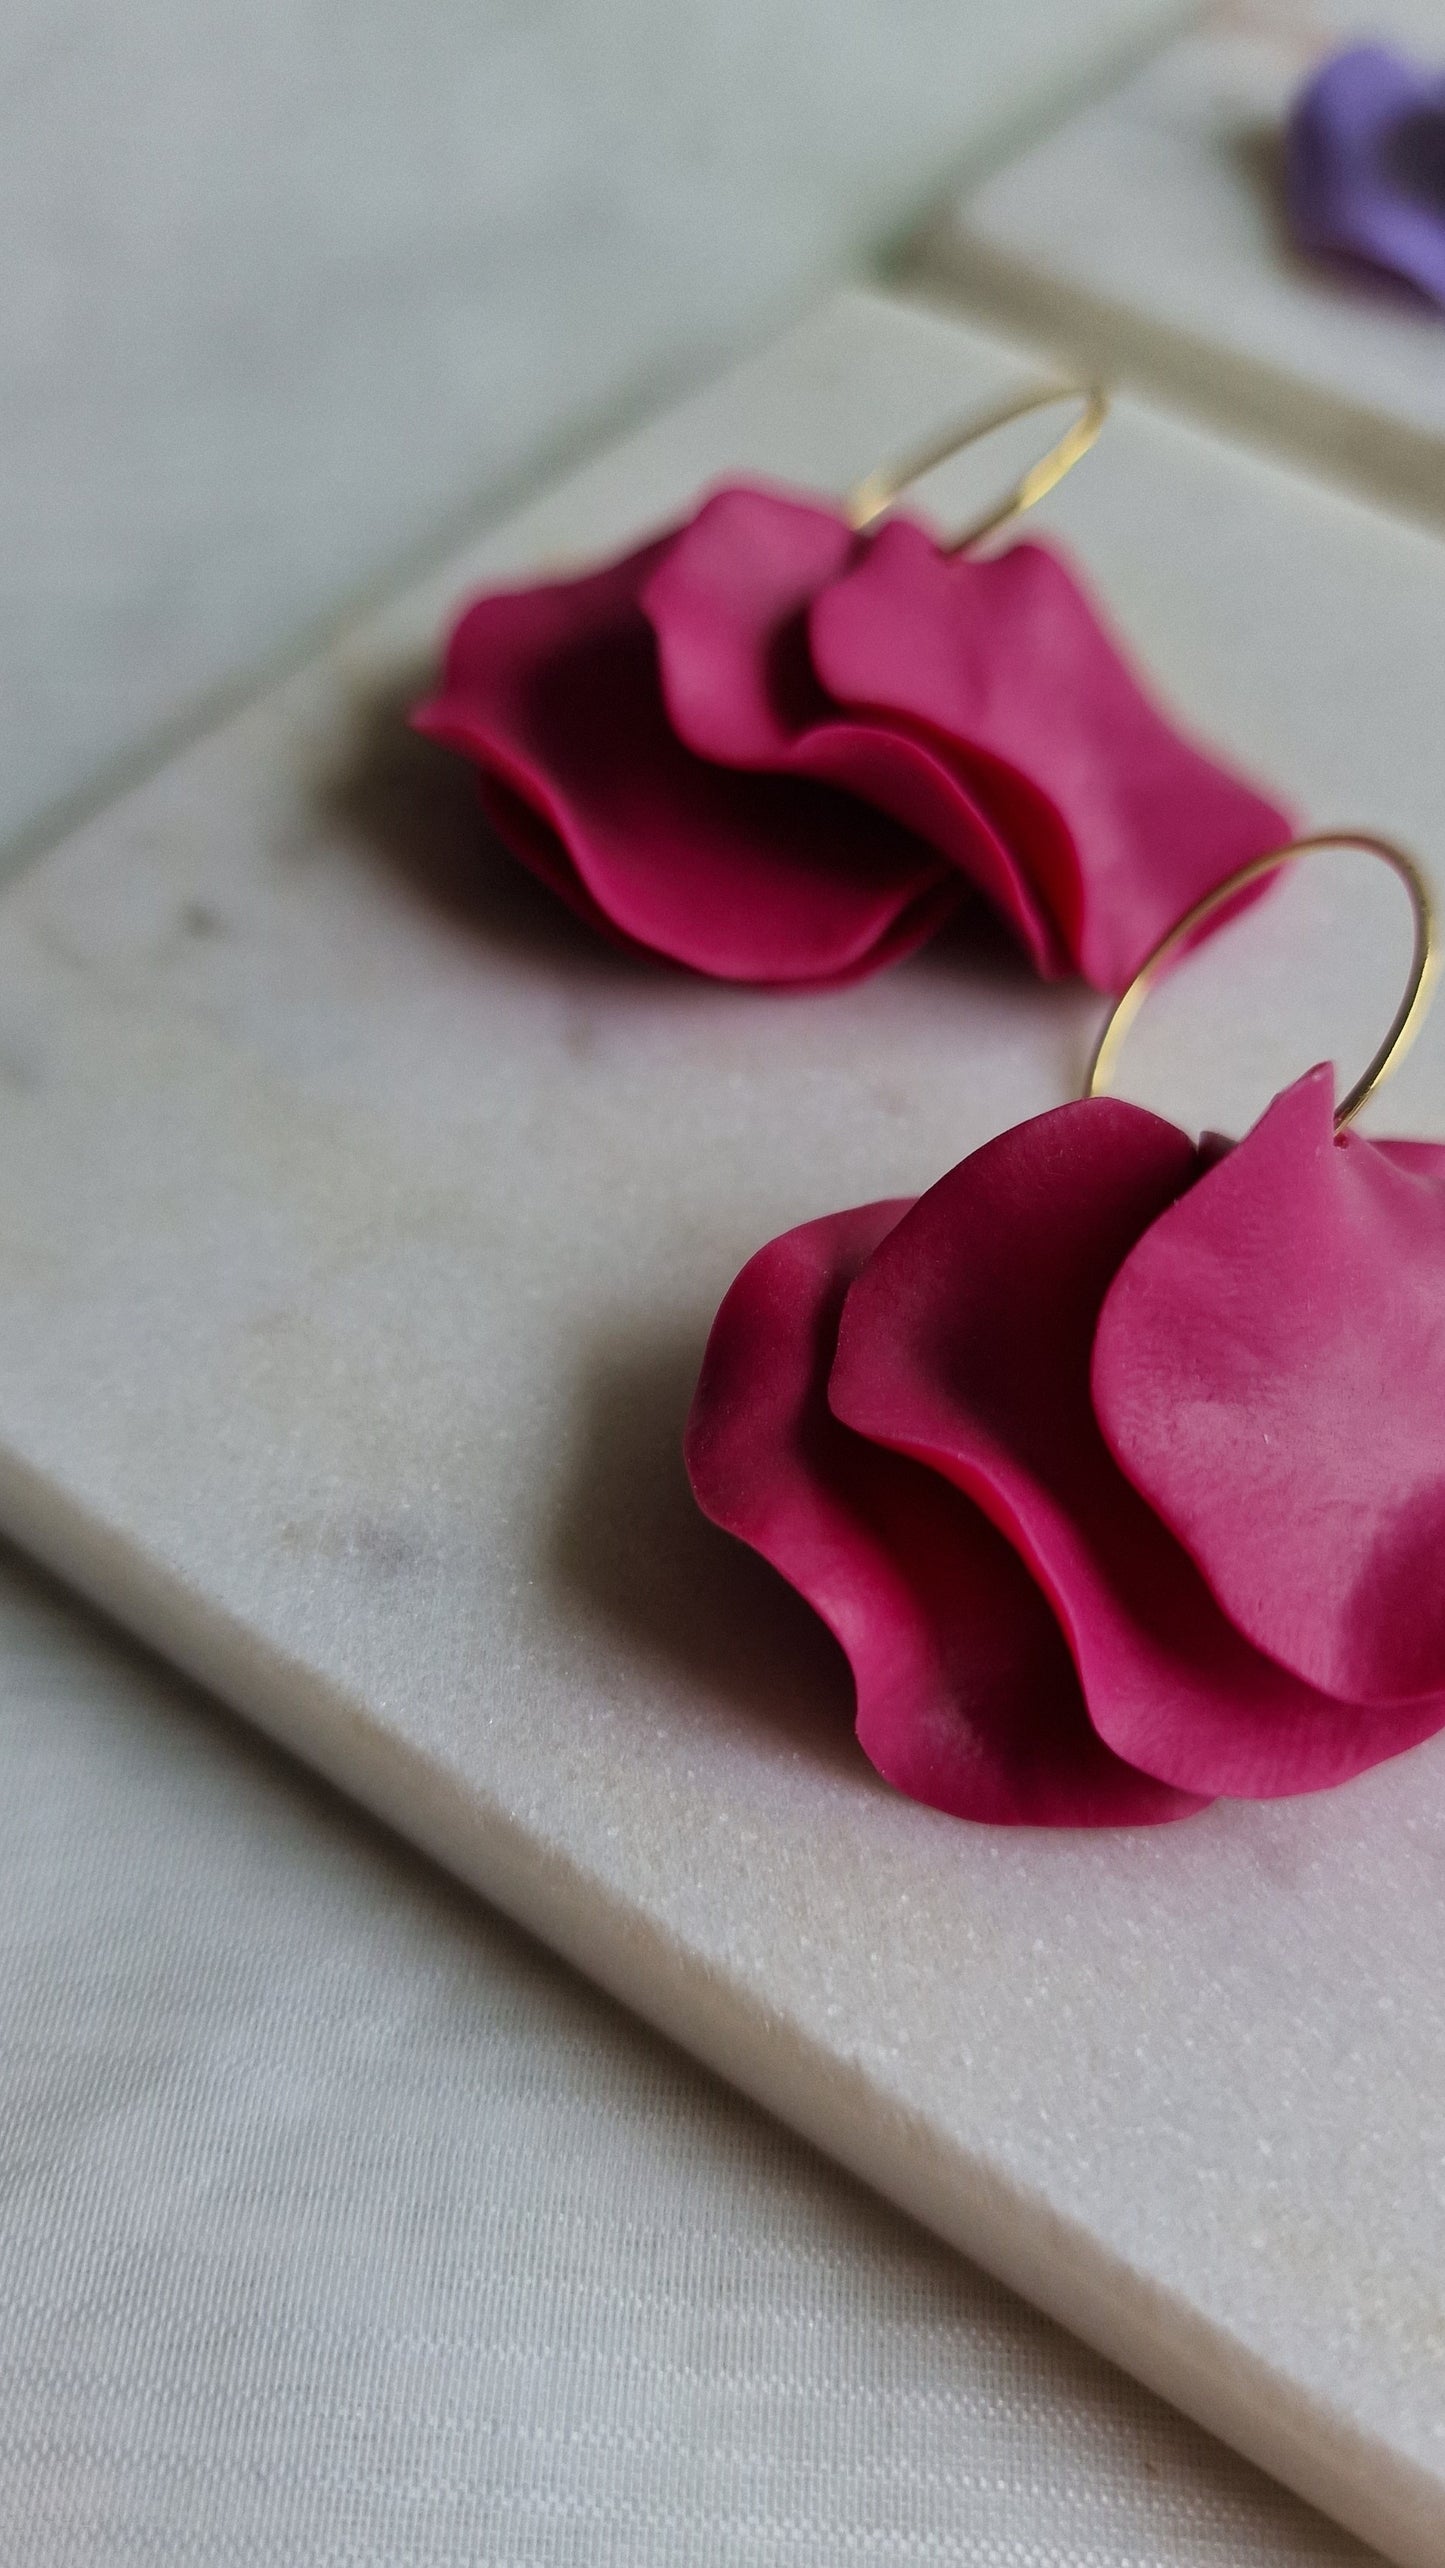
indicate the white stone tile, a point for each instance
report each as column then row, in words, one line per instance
column 1147, row 236
column 355, row 1266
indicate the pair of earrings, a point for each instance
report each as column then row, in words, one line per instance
column 1115, row 1463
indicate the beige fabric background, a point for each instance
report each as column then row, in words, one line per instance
column 340, row 2227
column 1145, row 234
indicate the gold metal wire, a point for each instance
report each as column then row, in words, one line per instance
column 879, row 489
column 1409, row 1015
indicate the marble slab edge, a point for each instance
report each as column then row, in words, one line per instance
column 1002, row 2226
column 961, row 273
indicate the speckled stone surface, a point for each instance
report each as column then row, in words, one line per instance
column 1148, row 234
column 360, row 1236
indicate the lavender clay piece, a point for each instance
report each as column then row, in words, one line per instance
column 1365, row 165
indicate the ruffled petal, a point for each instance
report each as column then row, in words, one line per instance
column 1365, row 165
column 967, row 1698
column 728, row 602
column 553, row 691
column 966, row 1343
column 1120, row 822
column 1270, row 1372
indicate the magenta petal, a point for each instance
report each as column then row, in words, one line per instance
column 1270, row 1372
column 553, row 691
column 728, row 602
column 966, row 1342
column 1005, row 661
column 967, row 1698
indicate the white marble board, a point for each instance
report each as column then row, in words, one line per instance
column 359, row 1240
column 1147, row 233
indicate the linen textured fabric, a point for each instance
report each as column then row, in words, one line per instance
column 340, row 2224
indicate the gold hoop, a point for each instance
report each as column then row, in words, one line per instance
column 1409, row 1015
column 878, row 490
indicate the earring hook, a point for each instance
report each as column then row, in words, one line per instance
column 878, row 490
column 1409, row 1015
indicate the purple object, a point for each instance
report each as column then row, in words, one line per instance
column 1365, row 165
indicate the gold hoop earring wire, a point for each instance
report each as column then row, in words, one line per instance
column 878, row 490
column 1408, row 1017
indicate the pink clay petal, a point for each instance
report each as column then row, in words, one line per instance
column 1270, row 1372
column 966, row 1343
column 553, row 691
column 728, row 602
column 966, row 1696
column 1005, row 660
column 915, row 785
column 529, row 838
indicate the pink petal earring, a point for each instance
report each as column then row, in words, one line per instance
column 783, row 741
column 1115, row 1463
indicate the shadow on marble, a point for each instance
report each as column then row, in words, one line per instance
column 1255, row 152
column 411, row 807
column 631, row 1549
column 1257, row 155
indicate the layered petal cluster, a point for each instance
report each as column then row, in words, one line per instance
column 1365, row 165
column 1117, row 1470
column 777, row 751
